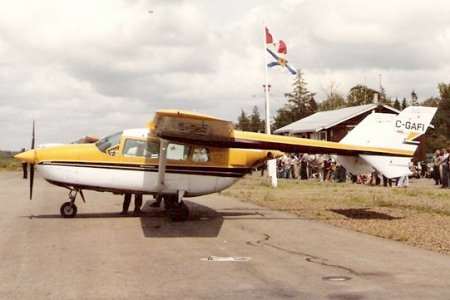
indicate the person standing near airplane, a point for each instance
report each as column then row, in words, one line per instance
column 444, row 167
column 137, row 203
column 436, row 172
column 24, row 166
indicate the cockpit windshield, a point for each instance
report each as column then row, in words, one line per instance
column 109, row 141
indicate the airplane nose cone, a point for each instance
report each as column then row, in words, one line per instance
column 28, row 156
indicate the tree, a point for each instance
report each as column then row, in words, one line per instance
column 243, row 122
column 414, row 99
column 301, row 103
column 256, row 124
column 334, row 99
column 404, row 104
column 359, row 95
column 383, row 98
column 440, row 136
column 431, row 102
column 443, row 114
column 397, row 104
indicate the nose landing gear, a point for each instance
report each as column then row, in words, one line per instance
column 69, row 209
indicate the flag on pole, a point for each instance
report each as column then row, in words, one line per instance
column 269, row 39
column 282, row 47
column 278, row 52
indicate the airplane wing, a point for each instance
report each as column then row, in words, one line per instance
column 206, row 130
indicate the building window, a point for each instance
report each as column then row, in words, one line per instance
column 321, row 136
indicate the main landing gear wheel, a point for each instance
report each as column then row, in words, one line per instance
column 176, row 211
column 68, row 210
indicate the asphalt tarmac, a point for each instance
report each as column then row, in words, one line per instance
column 226, row 250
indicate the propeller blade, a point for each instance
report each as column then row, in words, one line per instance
column 32, row 165
column 31, row 180
column 32, row 137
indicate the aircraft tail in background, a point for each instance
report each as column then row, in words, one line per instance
column 387, row 131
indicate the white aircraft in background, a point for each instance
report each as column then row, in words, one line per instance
column 182, row 154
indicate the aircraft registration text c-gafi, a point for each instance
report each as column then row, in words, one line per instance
column 410, row 125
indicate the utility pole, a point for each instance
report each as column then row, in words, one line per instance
column 381, row 87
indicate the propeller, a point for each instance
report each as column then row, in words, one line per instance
column 32, row 165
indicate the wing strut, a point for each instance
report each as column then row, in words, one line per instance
column 162, row 165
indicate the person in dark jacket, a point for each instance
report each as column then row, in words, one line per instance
column 24, row 166
column 127, row 200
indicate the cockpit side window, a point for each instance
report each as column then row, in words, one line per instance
column 177, row 151
column 109, row 141
column 151, row 150
column 200, row 154
column 133, row 148
column 140, row 148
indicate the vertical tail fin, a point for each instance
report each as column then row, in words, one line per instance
column 391, row 131
column 414, row 121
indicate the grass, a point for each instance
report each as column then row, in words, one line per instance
column 418, row 215
column 7, row 161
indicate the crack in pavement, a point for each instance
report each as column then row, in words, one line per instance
column 309, row 258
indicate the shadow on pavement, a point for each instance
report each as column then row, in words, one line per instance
column 203, row 221
column 364, row 214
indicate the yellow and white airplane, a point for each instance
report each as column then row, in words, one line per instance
column 182, row 154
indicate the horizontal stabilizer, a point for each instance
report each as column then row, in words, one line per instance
column 389, row 166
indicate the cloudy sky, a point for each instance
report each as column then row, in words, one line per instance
column 96, row 67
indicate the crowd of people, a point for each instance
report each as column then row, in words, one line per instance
column 441, row 165
column 305, row 166
column 325, row 168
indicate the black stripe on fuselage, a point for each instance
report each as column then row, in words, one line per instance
column 188, row 170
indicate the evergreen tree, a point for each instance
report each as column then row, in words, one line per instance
column 301, row 103
column 414, row 99
column 397, row 104
column 404, row 104
column 256, row 124
column 312, row 105
column 243, row 122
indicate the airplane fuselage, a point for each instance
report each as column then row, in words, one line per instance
column 128, row 162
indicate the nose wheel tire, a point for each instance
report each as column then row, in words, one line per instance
column 68, row 210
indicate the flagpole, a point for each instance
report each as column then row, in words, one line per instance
column 271, row 164
column 266, row 86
